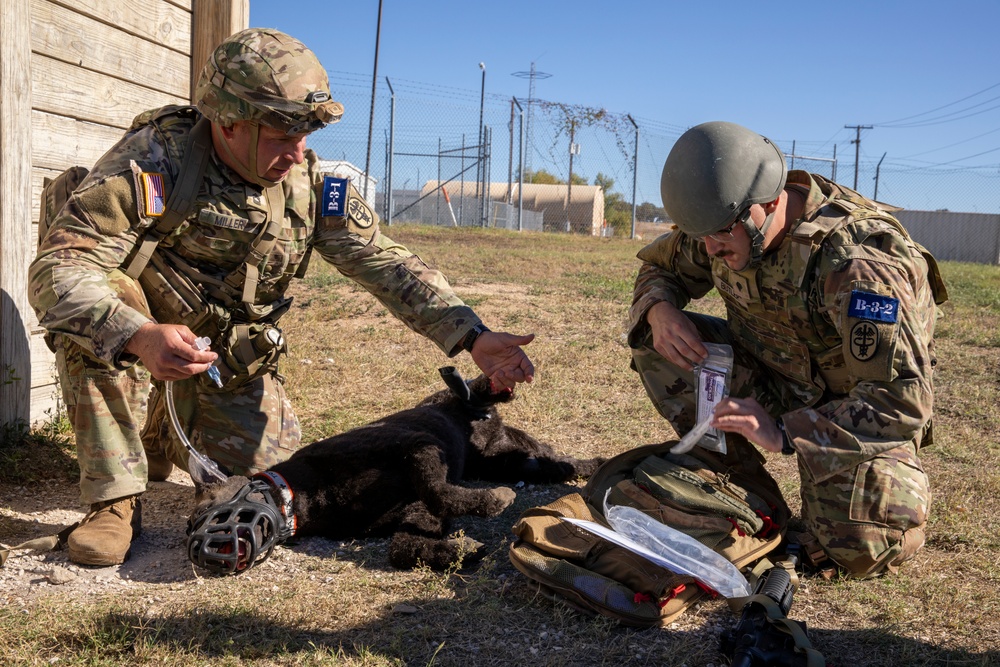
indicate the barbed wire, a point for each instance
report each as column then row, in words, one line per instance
column 429, row 117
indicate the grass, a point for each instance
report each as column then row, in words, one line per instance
column 350, row 361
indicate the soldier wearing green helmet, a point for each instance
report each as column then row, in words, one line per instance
column 830, row 314
column 193, row 225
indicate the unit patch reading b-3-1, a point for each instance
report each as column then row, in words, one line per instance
column 334, row 203
column 872, row 322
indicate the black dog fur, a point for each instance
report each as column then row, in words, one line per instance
column 400, row 475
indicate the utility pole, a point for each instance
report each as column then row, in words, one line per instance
column 857, row 147
column 479, row 158
column 635, row 169
column 371, row 115
column 877, row 169
column 569, row 183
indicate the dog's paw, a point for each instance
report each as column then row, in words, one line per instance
column 587, row 467
column 464, row 545
column 500, row 499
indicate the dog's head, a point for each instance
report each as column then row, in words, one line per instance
column 235, row 525
column 476, row 394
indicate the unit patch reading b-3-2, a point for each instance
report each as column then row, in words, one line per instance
column 868, row 306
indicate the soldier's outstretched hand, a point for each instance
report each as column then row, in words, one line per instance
column 167, row 351
column 500, row 357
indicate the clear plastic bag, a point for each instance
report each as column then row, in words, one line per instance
column 674, row 550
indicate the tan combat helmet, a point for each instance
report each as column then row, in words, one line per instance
column 265, row 76
column 714, row 173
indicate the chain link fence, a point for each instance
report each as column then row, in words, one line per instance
column 460, row 157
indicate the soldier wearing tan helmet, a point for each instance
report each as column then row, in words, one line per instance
column 193, row 225
column 830, row 314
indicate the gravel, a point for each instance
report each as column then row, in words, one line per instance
column 158, row 554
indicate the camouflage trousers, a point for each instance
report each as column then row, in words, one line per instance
column 868, row 519
column 106, row 408
column 245, row 430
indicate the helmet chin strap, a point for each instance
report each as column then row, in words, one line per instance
column 757, row 238
column 247, row 171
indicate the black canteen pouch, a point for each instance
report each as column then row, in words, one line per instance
column 247, row 352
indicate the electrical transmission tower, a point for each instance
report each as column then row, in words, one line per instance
column 529, row 126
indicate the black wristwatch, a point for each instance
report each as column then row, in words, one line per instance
column 470, row 338
column 786, row 442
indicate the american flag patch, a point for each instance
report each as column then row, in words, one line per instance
column 152, row 190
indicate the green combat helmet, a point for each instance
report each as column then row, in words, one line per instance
column 265, row 76
column 714, row 173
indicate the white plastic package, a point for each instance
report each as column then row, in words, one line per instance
column 711, row 386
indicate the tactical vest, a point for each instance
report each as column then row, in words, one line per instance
column 225, row 307
column 773, row 309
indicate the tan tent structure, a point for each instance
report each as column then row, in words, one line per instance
column 585, row 213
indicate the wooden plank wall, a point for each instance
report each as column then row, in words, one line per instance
column 95, row 64
column 15, row 184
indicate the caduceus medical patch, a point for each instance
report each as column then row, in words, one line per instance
column 864, row 340
column 871, row 325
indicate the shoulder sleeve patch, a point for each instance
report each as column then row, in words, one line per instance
column 333, row 198
column 876, row 307
column 360, row 212
column 153, row 198
column 870, row 328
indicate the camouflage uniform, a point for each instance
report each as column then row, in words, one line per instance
column 92, row 309
column 852, row 386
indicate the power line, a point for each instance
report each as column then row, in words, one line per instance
column 941, row 148
column 949, row 117
column 943, row 106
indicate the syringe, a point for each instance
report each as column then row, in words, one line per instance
column 203, row 344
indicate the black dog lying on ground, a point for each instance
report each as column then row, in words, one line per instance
column 397, row 476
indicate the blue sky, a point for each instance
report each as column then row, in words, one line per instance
column 791, row 71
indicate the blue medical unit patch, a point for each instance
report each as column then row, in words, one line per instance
column 334, row 204
column 875, row 307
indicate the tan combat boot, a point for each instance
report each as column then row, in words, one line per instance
column 104, row 537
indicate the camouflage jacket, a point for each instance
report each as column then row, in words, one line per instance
column 842, row 313
column 98, row 229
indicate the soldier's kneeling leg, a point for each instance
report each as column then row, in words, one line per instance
column 245, row 430
column 870, row 519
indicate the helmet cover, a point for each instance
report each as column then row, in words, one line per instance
column 268, row 76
